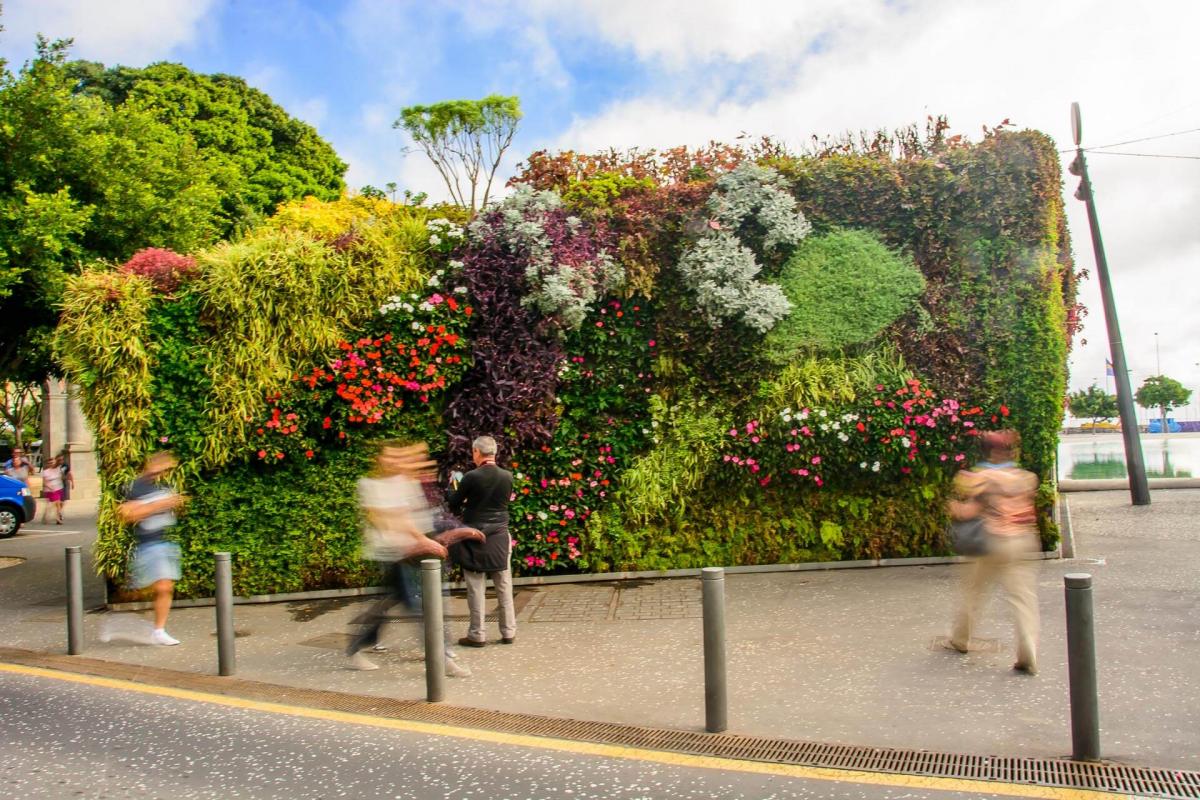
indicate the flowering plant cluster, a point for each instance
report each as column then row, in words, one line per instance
column 414, row 350
column 165, row 269
column 604, row 384
column 901, row 432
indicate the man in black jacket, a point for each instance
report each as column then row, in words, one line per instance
column 481, row 500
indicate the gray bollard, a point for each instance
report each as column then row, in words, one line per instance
column 435, row 647
column 226, row 654
column 1081, row 668
column 74, row 601
column 712, row 584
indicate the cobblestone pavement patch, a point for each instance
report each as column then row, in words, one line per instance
column 608, row 603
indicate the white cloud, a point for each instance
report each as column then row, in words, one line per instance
column 683, row 32
column 131, row 32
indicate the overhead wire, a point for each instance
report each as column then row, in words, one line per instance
column 1143, row 155
column 1134, row 141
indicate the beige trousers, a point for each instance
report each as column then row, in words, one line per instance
column 1004, row 565
column 476, row 594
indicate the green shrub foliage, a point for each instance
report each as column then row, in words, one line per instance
column 845, row 288
column 680, row 374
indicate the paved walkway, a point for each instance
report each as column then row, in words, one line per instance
column 847, row 656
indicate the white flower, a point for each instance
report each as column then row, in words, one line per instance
column 541, row 515
column 875, row 467
column 787, row 417
column 416, row 326
column 862, row 465
column 455, row 264
column 433, row 280
column 837, row 426
column 435, row 240
column 822, row 412
column 906, row 442
column 843, row 437
column 460, row 290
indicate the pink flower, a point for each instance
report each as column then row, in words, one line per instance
column 754, row 439
column 816, row 459
column 652, row 343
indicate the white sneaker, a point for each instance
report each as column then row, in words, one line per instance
column 359, row 661
column 162, row 637
column 456, row 670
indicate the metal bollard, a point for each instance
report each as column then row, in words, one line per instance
column 226, row 655
column 74, row 601
column 712, row 584
column 1081, row 668
column 435, row 647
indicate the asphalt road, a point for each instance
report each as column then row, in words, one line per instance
column 63, row 738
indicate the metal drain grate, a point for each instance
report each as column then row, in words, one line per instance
column 1106, row 777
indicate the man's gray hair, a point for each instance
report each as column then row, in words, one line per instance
column 486, row 445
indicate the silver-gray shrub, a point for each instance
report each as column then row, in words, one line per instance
column 759, row 193
column 723, row 276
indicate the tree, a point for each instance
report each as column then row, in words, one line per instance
column 1161, row 392
column 465, row 140
column 20, row 405
column 1093, row 403
column 260, row 155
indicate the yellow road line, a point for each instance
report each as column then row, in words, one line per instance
column 582, row 748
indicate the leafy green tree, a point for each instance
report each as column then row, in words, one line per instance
column 1163, row 393
column 260, row 156
column 1093, row 403
column 465, row 140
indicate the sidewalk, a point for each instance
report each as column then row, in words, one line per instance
column 847, row 656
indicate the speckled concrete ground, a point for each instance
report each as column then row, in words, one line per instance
column 847, row 656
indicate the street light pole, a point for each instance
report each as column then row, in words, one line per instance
column 1157, row 359
column 1139, row 489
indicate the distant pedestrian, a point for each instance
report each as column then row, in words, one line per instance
column 1003, row 495
column 481, row 499
column 396, row 521
column 150, row 506
column 18, row 466
column 55, row 479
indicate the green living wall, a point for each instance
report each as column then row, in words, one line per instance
column 722, row 356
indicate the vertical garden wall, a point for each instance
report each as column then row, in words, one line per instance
column 723, row 356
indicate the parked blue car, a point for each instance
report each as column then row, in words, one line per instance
column 17, row 506
column 1155, row 426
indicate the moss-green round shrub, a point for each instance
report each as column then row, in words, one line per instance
column 845, row 287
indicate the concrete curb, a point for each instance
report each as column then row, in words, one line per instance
column 1112, row 484
column 599, row 577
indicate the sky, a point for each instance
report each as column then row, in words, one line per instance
column 594, row 74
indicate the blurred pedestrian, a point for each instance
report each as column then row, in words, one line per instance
column 150, row 506
column 18, row 466
column 55, row 479
column 481, row 499
column 1002, row 494
column 396, row 521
